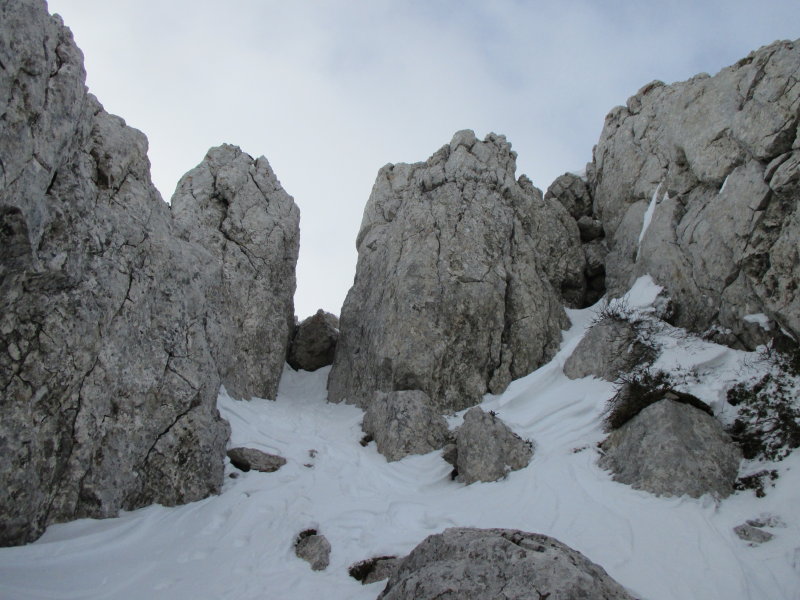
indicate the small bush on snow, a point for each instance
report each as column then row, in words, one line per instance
column 767, row 425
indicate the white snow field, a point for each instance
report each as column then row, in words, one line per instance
column 239, row 545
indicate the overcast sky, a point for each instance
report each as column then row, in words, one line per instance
column 329, row 91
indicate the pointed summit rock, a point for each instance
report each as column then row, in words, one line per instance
column 462, row 275
column 233, row 206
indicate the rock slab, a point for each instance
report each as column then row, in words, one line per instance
column 461, row 279
column 403, row 423
column 672, row 449
column 111, row 355
column 246, row 459
column 474, row 564
column 487, row 450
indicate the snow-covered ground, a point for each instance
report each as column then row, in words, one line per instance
column 239, row 545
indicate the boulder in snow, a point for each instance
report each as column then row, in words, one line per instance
column 670, row 449
column 487, row 449
column 609, row 348
column 403, row 423
column 474, row 564
column 751, row 534
column 314, row 342
column 247, row 459
column 313, row 548
column 374, row 569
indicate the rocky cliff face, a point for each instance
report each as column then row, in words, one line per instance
column 461, row 278
column 697, row 184
column 111, row 354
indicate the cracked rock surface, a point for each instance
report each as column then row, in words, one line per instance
column 234, row 207
column 714, row 163
column 498, row 563
column 109, row 357
column 461, row 279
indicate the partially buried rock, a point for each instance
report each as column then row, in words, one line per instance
column 498, row 563
column 374, row 569
column 246, row 459
column 314, row 342
column 487, row 449
column 403, row 423
column 313, row 548
column 754, row 535
column 671, row 449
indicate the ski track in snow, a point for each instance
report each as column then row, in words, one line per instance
column 239, row 545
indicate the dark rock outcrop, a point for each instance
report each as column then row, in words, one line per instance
column 461, row 278
column 403, row 423
column 473, row 564
column 109, row 373
column 247, row 459
column 574, row 193
column 697, row 185
column 670, row 449
column 313, row 344
column 487, row 450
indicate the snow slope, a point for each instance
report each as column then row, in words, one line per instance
column 238, row 545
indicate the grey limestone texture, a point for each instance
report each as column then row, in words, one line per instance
column 233, row 207
column 610, row 348
column 247, row 459
column 313, row 548
column 314, row 341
